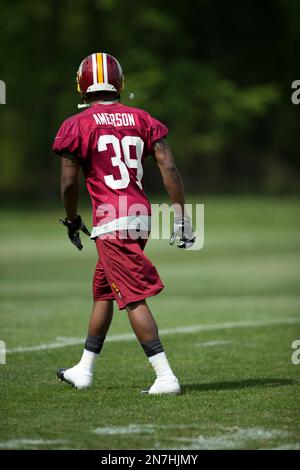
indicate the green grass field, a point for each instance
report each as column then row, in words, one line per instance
column 240, row 296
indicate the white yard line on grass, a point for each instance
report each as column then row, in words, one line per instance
column 295, row 446
column 217, row 342
column 235, row 438
column 122, row 430
column 138, row 429
column 228, row 438
column 29, row 443
column 63, row 342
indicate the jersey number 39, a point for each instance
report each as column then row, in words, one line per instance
column 116, row 159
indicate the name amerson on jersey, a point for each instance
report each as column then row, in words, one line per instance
column 116, row 119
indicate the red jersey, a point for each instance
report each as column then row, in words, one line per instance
column 111, row 142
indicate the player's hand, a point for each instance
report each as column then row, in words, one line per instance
column 73, row 230
column 182, row 229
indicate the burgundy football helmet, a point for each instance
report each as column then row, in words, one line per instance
column 99, row 72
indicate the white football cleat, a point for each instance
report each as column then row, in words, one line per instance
column 161, row 386
column 76, row 376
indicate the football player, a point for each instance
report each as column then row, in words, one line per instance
column 109, row 142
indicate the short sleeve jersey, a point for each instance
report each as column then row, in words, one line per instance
column 111, row 142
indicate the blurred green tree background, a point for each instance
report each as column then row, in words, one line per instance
column 217, row 73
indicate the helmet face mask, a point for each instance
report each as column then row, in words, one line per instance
column 99, row 72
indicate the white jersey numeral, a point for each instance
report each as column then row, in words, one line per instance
column 113, row 183
column 119, row 146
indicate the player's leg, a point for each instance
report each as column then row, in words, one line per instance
column 146, row 331
column 81, row 375
column 101, row 318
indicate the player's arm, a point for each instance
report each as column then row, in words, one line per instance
column 173, row 183
column 172, row 179
column 69, row 187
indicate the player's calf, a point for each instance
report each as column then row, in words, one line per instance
column 145, row 328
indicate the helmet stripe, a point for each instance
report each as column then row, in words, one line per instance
column 99, row 68
column 105, row 75
column 94, row 62
column 80, row 69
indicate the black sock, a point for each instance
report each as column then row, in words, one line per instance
column 94, row 343
column 152, row 347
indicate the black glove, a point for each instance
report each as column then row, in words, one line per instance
column 182, row 228
column 73, row 230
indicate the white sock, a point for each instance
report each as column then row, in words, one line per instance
column 88, row 360
column 161, row 365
